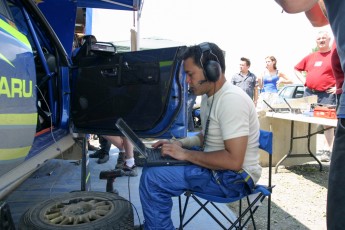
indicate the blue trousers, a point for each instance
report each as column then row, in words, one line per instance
column 322, row 97
column 336, row 181
column 159, row 184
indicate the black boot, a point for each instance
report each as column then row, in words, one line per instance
column 120, row 160
column 104, row 158
column 104, row 151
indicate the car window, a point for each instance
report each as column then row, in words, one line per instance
column 288, row 92
column 299, row 92
column 5, row 11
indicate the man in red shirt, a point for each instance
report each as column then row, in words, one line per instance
column 320, row 81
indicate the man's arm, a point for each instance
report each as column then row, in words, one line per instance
column 231, row 158
column 260, row 81
column 300, row 76
column 232, row 79
column 296, row 6
column 256, row 94
column 317, row 15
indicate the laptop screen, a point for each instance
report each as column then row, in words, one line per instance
column 128, row 132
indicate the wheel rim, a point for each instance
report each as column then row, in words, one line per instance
column 77, row 211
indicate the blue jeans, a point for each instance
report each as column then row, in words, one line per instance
column 336, row 181
column 159, row 184
column 322, row 97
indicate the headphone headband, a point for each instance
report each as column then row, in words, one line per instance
column 205, row 46
column 211, row 67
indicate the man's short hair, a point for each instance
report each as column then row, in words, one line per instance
column 246, row 60
column 195, row 53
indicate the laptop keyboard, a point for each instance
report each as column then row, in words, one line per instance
column 154, row 153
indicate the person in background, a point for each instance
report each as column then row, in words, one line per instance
column 125, row 160
column 90, row 147
column 270, row 80
column 335, row 11
column 229, row 151
column 246, row 80
column 337, row 72
column 190, row 105
column 101, row 153
column 320, row 81
column 317, row 16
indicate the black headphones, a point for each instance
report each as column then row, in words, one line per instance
column 209, row 63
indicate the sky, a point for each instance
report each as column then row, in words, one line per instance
column 242, row 28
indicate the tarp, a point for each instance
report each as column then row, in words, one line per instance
column 62, row 14
column 110, row 4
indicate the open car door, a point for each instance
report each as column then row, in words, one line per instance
column 146, row 88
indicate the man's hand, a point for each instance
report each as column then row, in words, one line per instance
column 331, row 90
column 174, row 150
column 162, row 142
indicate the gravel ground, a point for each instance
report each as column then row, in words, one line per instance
column 298, row 198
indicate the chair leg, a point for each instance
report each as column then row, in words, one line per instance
column 203, row 206
column 269, row 213
column 240, row 212
column 180, row 212
column 251, row 213
column 182, row 216
column 183, row 212
column 249, row 208
column 238, row 224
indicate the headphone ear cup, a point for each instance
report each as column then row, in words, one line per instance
column 212, row 70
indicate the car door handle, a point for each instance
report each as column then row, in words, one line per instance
column 109, row 72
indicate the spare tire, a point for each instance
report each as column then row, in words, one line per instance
column 80, row 210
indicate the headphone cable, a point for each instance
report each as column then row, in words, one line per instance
column 208, row 118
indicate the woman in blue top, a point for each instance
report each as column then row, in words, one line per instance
column 271, row 78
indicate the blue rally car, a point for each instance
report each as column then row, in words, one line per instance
column 47, row 99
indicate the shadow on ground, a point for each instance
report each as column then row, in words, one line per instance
column 298, row 198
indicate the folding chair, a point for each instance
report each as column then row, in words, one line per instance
column 261, row 191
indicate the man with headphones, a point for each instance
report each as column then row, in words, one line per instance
column 227, row 163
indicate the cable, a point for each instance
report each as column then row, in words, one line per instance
column 136, row 211
column 208, row 118
column 51, row 121
column 52, row 134
column 129, row 189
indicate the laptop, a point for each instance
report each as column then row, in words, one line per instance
column 152, row 156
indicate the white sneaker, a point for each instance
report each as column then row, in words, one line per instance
column 326, row 156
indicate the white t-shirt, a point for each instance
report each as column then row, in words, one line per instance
column 232, row 115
